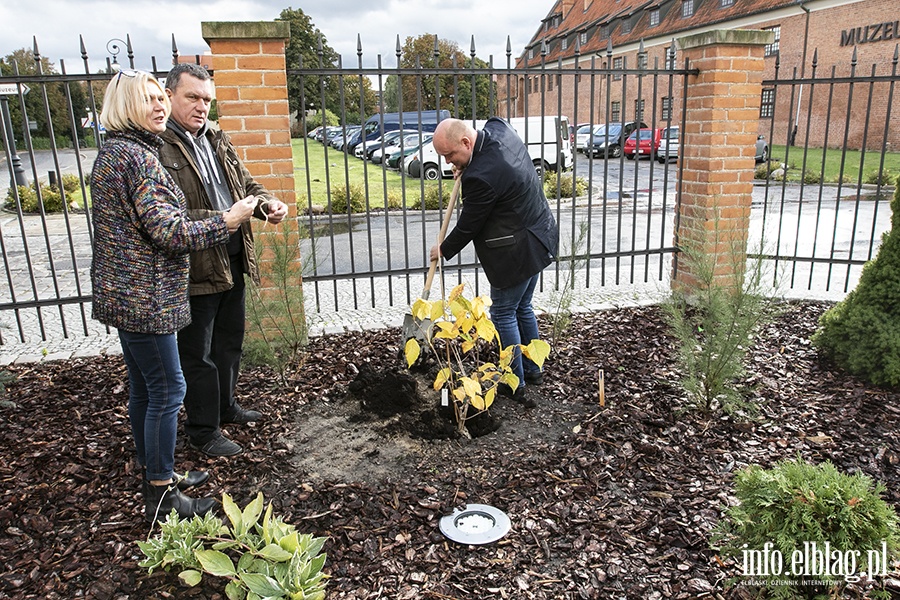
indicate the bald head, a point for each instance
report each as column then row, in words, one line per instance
column 454, row 139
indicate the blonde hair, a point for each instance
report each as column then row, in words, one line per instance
column 125, row 103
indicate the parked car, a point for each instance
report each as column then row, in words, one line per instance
column 365, row 148
column 393, row 160
column 323, row 133
column 340, row 139
column 607, row 140
column 583, row 136
column 314, row 132
column 642, row 142
column 330, row 134
column 762, row 149
column 668, row 144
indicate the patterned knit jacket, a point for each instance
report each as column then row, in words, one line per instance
column 142, row 238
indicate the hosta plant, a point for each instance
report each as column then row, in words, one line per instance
column 466, row 333
column 261, row 559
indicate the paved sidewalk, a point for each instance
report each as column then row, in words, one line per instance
column 325, row 322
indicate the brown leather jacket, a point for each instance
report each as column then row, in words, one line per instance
column 210, row 270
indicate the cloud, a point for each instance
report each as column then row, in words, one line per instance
column 58, row 23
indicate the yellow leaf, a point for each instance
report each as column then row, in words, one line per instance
column 479, row 308
column 477, row 402
column 456, row 292
column 411, row 351
column 537, row 351
column 486, row 329
column 466, row 346
column 421, row 309
column 487, row 367
column 506, row 356
column 510, row 379
column 443, row 377
column 459, row 394
column 472, row 387
column 489, row 397
column 465, row 323
column 437, row 310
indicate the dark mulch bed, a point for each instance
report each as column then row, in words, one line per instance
column 606, row 502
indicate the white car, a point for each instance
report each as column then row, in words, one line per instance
column 583, row 137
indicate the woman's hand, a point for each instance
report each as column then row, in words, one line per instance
column 240, row 212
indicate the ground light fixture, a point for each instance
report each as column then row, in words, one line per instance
column 475, row 524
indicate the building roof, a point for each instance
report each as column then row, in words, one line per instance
column 591, row 25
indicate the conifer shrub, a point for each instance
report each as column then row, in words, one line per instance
column 344, row 199
column 787, row 514
column 861, row 334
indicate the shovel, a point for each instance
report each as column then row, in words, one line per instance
column 421, row 329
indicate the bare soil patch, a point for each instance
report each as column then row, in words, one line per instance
column 611, row 501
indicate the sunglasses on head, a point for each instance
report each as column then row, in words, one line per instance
column 126, row 73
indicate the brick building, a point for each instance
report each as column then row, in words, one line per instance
column 817, row 39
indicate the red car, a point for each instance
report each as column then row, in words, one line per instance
column 642, row 142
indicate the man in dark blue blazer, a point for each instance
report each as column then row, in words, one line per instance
column 505, row 214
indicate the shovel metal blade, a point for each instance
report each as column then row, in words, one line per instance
column 419, row 329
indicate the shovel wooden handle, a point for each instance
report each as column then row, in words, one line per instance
column 449, row 211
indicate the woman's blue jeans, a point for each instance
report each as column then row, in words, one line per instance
column 156, row 392
column 514, row 319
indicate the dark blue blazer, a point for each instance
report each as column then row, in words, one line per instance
column 504, row 211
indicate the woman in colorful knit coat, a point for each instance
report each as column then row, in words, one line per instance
column 139, row 274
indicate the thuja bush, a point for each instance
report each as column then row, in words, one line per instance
column 789, row 512
column 861, row 334
column 265, row 558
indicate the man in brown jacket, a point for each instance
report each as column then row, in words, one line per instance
column 205, row 166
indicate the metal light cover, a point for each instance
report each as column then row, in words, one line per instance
column 475, row 524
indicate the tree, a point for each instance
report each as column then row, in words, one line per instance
column 455, row 90
column 23, row 61
column 306, row 92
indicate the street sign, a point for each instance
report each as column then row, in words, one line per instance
column 10, row 89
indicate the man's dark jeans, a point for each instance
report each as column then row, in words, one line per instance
column 210, row 351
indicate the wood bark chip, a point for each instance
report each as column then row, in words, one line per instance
column 610, row 504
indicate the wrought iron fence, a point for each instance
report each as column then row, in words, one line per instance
column 369, row 261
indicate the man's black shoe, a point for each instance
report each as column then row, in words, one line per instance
column 218, row 446
column 534, row 377
column 241, row 416
column 520, row 395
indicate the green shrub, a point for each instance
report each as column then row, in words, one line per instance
column 436, row 197
column 862, row 332
column 259, row 559
column 340, row 200
column 715, row 321
column 565, row 185
column 394, row 199
column 71, row 183
column 28, row 197
column 881, row 178
column 812, row 177
column 277, row 335
column 795, row 504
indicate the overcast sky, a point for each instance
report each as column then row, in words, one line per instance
column 57, row 24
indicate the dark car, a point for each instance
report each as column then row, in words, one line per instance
column 607, row 140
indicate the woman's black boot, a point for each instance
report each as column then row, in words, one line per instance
column 159, row 500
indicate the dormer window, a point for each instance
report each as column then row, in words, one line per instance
column 583, row 38
column 654, row 17
column 626, row 26
column 687, row 8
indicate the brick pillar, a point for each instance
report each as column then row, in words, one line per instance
column 252, row 99
column 717, row 146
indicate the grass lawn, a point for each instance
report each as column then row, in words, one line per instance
column 385, row 186
column 833, row 167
